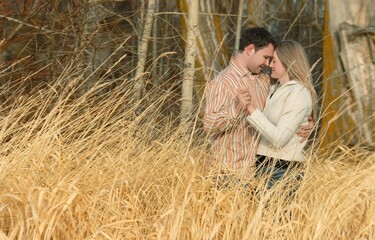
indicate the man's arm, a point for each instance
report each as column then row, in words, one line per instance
column 221, row 112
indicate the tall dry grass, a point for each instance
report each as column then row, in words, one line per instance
column 98, row 167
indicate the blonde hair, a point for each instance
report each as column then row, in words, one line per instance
column 293, row 57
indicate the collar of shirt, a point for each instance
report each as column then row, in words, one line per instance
column 290, row 82
column 240, row 70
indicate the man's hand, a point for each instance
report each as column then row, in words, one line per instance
column 304, row 131
column 243, row 99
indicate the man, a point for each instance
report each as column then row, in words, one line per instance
column 233, row 141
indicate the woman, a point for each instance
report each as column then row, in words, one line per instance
column 290, row 103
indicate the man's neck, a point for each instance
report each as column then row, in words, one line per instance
column 242, row 60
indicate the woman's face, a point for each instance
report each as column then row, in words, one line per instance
column 278, row 69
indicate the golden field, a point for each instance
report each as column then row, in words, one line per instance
column 103, row 166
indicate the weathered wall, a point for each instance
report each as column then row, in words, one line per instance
column 349, row 80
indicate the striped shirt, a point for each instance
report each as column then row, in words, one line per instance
column 233, row 141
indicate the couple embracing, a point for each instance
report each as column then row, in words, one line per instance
column 256, row 127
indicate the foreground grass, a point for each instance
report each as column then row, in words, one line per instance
column 90, row 168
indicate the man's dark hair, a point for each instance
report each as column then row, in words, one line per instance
column 257, row 36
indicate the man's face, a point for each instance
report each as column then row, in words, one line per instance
column 258, row 59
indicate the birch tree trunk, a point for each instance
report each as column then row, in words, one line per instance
column 154, row 43
column 142, row 51
column 190, row 53
column 239, row 26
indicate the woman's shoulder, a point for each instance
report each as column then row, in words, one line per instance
column 297, row 90
column 297, row 86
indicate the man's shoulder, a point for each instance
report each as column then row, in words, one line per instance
column 226, row 76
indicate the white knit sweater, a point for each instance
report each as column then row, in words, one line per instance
column 288, row 108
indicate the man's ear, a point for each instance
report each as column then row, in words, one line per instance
column 250, row 49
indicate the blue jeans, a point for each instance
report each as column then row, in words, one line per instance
column 274, row 169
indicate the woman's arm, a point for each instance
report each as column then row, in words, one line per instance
column 296, row 107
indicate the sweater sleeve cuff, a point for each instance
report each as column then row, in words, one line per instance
column 255, row 115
